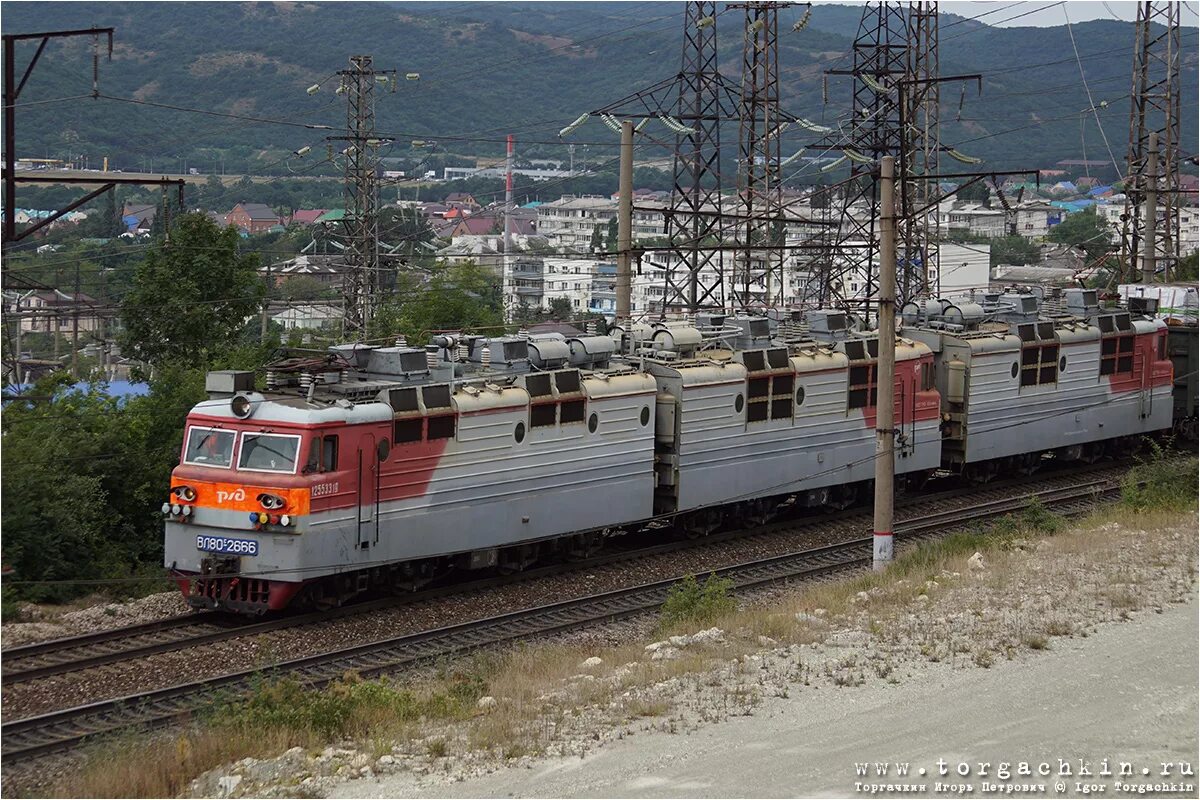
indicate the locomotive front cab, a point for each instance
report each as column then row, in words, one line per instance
column 240, row 500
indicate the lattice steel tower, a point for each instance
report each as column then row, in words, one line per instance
column 759, row 272
column 917, row 244
column 880, row 56
column 694, row 220
column 361, row 222
column 698, row 99
column 1154, row 108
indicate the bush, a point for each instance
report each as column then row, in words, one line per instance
column 690, row 602
column 1161, row 483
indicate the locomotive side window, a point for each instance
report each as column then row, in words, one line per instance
column 1116, row 355
column 329, row 453
column 209, row 447
column 926, row 376
column 441, row 427
column 1039, row 365
column 268, row 452
column 572, row 411
column 406, row 431
column 863, row 391
column 542, row 416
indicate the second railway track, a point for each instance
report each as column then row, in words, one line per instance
column 68, row 728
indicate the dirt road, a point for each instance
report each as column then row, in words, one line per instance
column 1127, row 693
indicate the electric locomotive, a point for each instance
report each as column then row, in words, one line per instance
column 384, row 468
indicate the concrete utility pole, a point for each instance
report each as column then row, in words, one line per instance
column 625, row 223
column 885, row 369
column 1150, row 209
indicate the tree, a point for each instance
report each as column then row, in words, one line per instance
column 597, row 243
column 191, row 296
column 455, row 297
column 1015, row 250
column 611, row 235
column 977, row 192
column 560, row 309
column 1186, row 269
column 1084, row 229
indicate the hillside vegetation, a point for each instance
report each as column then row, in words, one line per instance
column 488, row 69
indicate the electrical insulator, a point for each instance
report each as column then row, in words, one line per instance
column 316, row 87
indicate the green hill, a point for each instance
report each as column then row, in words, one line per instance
column 488, row 69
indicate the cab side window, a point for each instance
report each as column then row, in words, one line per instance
column 329, row 453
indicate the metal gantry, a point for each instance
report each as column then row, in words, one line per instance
column 1154, row 108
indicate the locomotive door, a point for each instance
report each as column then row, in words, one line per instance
column 1141, row 373
column 368, row 485
column 907, row 409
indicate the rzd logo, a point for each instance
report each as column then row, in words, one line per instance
column 236, row 496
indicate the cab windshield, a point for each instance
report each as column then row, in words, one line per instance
column 209, row 447
column 266, row 452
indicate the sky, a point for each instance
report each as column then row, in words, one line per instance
column 1048, row 12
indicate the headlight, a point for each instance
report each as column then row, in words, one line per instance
column 185, row 493
column 271, row 501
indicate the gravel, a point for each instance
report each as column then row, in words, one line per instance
column 38, row 623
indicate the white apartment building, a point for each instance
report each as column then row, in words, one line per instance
column 569, row 279
column 569, row 222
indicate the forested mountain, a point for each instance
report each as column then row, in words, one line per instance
column 488, row 69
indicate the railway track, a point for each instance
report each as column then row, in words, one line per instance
column 47, row 733
column 77, row 653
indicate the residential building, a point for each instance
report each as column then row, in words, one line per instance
column 568, row 222
column 486, row 251
column 975, row 220
column 960, row 269
column 1035, row 219
column 50, row 311
column 328, row 269
column 569, row 279
column 252, row 217
column 309, row 316
column 306, row 216
column 138, row 217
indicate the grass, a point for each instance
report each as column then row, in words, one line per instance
column 541, row 690
column 690, row 603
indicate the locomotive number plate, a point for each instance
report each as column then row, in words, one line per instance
column 219, row 544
